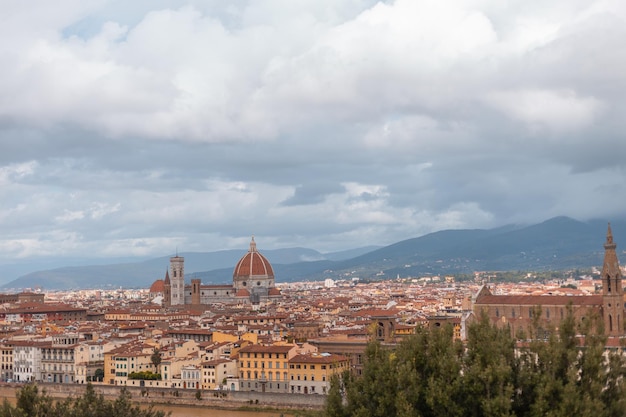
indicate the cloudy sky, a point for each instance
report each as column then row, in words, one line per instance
column 132, row 128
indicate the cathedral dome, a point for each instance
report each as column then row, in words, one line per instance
column 253, row 269
column 253, row 264
column 157, row 286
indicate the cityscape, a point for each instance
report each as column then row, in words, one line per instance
column 347, row 208
column 262, row 337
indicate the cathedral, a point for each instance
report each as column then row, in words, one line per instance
column 517, row 311
column 253, row 283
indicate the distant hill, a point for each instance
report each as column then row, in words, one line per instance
column 143, row 274
column 556, row 244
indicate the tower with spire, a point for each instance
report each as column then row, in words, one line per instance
column 612, row 291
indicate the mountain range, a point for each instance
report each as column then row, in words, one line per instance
column 556, row 244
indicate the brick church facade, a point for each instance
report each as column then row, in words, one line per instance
column 519, row 312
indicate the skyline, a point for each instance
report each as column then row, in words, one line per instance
column 140, row 129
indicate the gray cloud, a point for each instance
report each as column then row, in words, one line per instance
column 129, row 129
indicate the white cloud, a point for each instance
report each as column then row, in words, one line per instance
column 555, row 111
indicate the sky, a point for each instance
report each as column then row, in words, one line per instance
column 148, row 127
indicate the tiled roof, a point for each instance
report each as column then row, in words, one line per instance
column 536, row 300
column 267, row 349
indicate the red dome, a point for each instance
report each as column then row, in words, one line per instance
column 253, row 264
column 157, row 287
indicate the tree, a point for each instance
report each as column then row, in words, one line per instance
column 334, row 401
column 155, row 358
column 555, row 371
column 31, row 402
column 99, row 374
column 488, row 370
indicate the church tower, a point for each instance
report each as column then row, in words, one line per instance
column 167, row 290
column 612, row 292
column 177, row 272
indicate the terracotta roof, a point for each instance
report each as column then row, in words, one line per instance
column 274, row 291
column 157, row 286
column 318, row 358
column 267, row 349
column 536, row 300
column 253, row 264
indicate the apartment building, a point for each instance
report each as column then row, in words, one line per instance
column 311, row 373
column 26, row 360
column 57, row 364
column 265, row 368
column 215, row 373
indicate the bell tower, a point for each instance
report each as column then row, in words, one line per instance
column 612, row 292
column 177, row 270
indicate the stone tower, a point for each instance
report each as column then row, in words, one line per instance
column 177, row 277
column 195, row 292
column 612, row 292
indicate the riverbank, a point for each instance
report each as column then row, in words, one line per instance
column 291, row 404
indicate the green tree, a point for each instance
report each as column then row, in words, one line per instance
column 155, row 358
column 334, row 401
column 429, row 375
column 373, row 393
column 31, row 402
column 99, row 374
column 489, row 369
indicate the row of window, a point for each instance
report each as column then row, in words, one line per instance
column 269, row 355
column 269, row 365
column 530, row 313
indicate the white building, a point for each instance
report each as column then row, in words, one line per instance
column 26, row 361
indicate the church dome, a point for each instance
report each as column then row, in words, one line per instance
column 253, row 265
column 157, row 286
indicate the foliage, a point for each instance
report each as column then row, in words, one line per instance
column 155, row 358
column 31, row 402
column 564, row 371
column 147, row 375
column 99, row 374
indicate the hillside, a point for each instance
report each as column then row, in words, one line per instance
column 143, row 274
column 556, row 244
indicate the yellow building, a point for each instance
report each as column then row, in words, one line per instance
column 121, row 361
column 6, row 362
column 265, row 368
column 311, row 373
column 229, row 337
